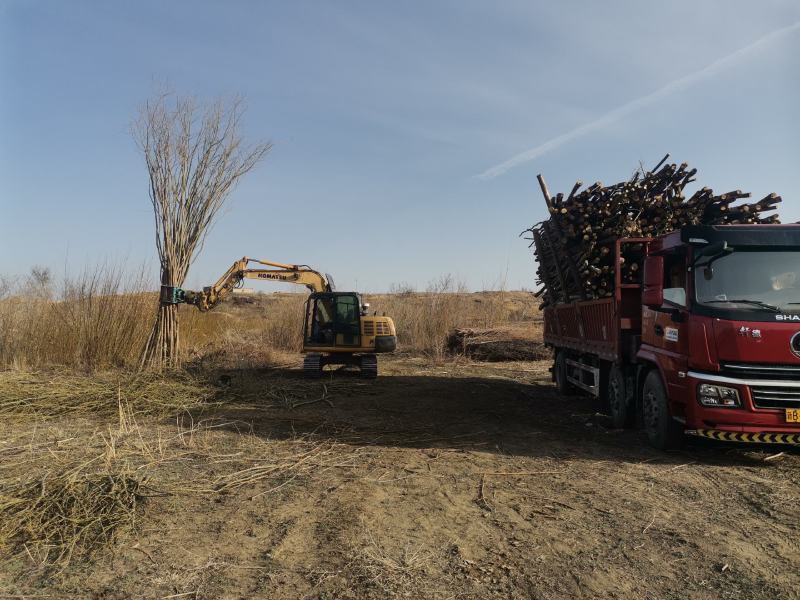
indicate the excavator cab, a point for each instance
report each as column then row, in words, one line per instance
column 333, row 319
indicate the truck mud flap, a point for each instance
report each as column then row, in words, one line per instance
column 743, row 436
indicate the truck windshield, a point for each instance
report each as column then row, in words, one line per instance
column 751, row 279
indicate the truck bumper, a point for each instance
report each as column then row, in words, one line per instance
column 747, row 437
column 747, row 423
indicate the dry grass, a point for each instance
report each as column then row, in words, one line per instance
column 59, row 514
column 245, row 333
column 68, row 354
column 391, row 572
column 97, row 319
column 102, row 317
column 69, row 493
column 50, row 393
column 424, row 320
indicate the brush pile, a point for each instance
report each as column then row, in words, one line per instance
column 575, row 246
column 495, row 345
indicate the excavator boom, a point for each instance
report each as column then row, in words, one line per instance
column 211, row 296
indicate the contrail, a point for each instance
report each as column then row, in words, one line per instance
column 633, row 105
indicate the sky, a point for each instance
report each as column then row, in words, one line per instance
column 407, row 135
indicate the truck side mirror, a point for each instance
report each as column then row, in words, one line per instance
column 653, row 290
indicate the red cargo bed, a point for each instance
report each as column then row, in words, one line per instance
column 602, row 327
column 590, row 326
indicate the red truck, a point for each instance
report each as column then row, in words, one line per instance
column 708, row 344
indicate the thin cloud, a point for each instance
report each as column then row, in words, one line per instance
column 624, row 110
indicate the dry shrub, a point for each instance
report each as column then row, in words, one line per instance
column 282, row 321
column 423, row 320
column 277, row 319
column 234, row 349
column 102, row 317
column 99, row 318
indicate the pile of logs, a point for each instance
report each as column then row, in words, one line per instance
column 575, row 246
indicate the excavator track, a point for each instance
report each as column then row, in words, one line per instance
column 312, row 365
column 369, row 366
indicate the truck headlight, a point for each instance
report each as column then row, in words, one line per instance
column 717, row 395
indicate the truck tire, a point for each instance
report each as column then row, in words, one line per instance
column 663, row 432
column 564, row 387
column 617, row 399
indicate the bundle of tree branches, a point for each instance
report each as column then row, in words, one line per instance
column 195, row 156
column 575, row 246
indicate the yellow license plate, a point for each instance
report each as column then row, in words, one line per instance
column 793, row 415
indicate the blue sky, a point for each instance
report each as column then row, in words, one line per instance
column 388, row 120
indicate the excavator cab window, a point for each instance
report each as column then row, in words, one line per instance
column 321, row 313
column 333, row 320
column 347, row 325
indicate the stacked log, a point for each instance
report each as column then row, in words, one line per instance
column 575, row 247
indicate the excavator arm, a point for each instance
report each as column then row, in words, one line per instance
column 210, row 297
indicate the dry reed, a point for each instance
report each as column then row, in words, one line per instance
column 47, row 394
column 59, row 514
column 96, row 319
column 101, row 319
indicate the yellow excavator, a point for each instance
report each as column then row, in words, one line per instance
column 337, row 329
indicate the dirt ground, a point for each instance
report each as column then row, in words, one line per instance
column 439, row 480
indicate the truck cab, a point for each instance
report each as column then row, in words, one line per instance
column 706, row 343
column 720, row 328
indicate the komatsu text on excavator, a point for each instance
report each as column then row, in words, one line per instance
column 337, row 329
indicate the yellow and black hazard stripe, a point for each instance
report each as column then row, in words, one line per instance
column 744, row 436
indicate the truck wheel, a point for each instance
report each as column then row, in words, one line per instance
column 563, row 386
column 618, row 408
column 663, row 432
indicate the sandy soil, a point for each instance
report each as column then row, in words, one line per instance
column 451, row 480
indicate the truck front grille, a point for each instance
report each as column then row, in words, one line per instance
column 775, row 397
column 762, row 371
